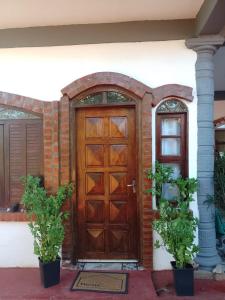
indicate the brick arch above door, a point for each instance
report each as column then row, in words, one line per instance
column 177, row 91
column 106, row 78
column 87, row 83
column 127, row 83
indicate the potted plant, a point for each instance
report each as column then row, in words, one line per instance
column 176, row 224
column 46, row 225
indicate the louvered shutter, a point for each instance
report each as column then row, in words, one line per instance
column 34, row 148
column 25, row 154
column 17, row 160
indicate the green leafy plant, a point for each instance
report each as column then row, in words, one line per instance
column 45, row 216
column 176, row 224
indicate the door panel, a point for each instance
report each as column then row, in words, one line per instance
column 106, row 164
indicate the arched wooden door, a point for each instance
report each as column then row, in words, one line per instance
column 106, row 183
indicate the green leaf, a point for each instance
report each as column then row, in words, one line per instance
column 45, row 216
column 176, row 224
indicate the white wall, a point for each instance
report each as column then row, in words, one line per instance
column 16, row 245
column 42, row 72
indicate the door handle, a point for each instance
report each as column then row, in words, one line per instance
column 133, row 185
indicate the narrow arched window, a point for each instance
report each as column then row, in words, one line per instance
column 171, row 136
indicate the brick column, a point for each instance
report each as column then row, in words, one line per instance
column 64, row 140
column 51, row 145
column 147, row 213
column 64, row 125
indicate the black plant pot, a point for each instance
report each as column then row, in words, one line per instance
column 50, row 272
column 183, row 280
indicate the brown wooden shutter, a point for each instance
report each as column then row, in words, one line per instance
column 25, row 154
column 34, row 148
column 17, row 160
column 21, row 154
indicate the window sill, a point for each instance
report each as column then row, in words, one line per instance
column 13, row 217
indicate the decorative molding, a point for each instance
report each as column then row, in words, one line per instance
column 104, row 98
column 81, row 34
column 106, row 78
column 9, row 113
column 208, row 41
column 172, row 91
column 115, row 97
column 171, row 106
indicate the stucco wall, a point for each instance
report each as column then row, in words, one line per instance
column 42, row 72
column 16, row 245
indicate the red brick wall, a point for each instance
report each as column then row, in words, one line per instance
column 64, row 112
column 57, row 156
column 51, row 145
column 146, row 201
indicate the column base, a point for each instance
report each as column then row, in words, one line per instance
column 207, row 263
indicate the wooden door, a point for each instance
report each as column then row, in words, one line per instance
column 106, row 161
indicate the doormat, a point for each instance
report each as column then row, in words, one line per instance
column 103, row 282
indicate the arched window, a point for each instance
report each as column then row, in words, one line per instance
column 105, row 98
column 171, row 135
column 13, row 114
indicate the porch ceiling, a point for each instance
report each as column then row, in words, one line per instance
column 219, row 61
column 30, row 13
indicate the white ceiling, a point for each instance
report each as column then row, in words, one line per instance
column 28, row 13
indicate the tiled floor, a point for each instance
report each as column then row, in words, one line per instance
column 205, row 289
column 24, row 284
